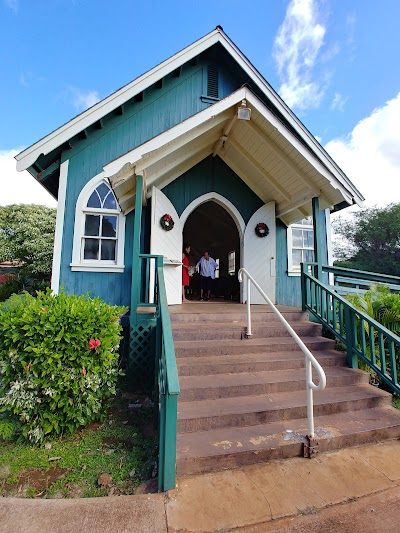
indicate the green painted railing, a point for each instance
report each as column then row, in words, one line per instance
column 152, row 294
column 363, row 337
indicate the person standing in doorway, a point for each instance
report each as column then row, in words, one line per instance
column 206, row 266
column 185, row 270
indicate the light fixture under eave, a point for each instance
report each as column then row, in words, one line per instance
column 243, row 112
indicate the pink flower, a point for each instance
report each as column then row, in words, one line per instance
column 28, row 366
column 84, row 371
column 93, row 344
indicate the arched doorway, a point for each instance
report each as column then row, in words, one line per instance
column 210, row 226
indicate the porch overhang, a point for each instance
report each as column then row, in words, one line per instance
column 268, row 156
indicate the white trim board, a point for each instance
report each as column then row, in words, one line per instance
column 58, row 237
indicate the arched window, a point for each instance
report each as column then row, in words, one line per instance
column 99, row 229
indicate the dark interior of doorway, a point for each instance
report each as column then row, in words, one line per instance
column 210, row 227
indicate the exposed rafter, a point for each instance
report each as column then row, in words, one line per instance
column 259, row 168
column 286, row 159
column 182, row 168
column 178, row 160
column 225, row 132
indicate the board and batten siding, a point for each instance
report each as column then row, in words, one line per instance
column 161, row 109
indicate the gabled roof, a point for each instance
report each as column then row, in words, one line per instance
column 263, row 152
column 66, row 132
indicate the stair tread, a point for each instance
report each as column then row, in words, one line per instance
column 237, row 323
column 250, row 342
column 254, row 357
column 273, row 401
column 251, row 378
column 219, row 442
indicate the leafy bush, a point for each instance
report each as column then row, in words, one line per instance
column 58, row 361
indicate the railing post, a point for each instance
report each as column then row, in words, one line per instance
column 171, row 409
column 350, row 325
column 304, row 268
column 248, row 309
column 310, row 403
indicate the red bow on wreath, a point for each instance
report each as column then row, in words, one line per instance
column 166, row 222
column 261, row 229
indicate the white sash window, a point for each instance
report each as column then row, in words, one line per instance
column 99, row 229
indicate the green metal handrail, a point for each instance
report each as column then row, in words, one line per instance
column 363, row 336
column 167, row 383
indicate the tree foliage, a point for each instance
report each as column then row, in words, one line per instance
column 27, row 237
column 370, row 240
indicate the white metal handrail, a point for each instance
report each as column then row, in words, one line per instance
column 310, row 359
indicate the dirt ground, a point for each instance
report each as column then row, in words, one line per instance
column 371, row 514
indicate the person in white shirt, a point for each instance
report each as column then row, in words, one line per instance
column 206, row 266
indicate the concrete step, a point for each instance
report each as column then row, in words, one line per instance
column 234, row 447
column 232, row 330
column 255, row 383
column 253, row 362
column 204, row 415
column 222, row 347
column 257, row 315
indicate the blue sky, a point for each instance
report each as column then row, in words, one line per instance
column 335, row 63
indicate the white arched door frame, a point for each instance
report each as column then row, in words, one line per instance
column 229, row 207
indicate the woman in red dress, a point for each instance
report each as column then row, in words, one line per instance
column 185, row 270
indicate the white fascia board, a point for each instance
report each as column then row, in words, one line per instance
column 63, row 134
column 253, row 100
column 260, row 81
column 204, row 117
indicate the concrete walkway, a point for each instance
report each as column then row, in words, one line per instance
column 282, row 496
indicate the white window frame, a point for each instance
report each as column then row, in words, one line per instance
column 232, row 259
column 292, row 270
column 79, row 264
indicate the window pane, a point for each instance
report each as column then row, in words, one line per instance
column 308, row 238
column 108, row 250
column 92, row 225
column 94, row 200
column 91, row 249
column 109, row 202
column 297, row 238
column 296, row 257
column 109, row 227
column 308, row 256
column 103, row 190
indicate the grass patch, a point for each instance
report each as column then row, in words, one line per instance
column 123, row 446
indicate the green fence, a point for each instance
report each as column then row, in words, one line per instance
column 363, row 337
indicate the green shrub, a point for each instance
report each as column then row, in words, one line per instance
column 58, row 361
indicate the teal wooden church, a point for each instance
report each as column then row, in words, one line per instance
column 202, row 137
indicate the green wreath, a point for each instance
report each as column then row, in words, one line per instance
column 262, row 230
column 167, row 222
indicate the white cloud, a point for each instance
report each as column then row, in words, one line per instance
column 11, row 4
column 370, row 154
column 296, row 50
column 338, row 102
column 20, row 187
column 82, row 100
